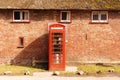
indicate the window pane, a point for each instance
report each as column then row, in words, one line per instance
column 24, row 15
column 17, row 15
column 103, row 17
column 64, row 15
column 95, row 17
column 68, row 15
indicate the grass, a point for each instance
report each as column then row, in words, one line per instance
column 18, row 70
column 89, row 69
column 67, row 73
column 92, row 69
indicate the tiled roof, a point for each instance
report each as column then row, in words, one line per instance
column 61, row 4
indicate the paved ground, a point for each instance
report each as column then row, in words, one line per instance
column 48, row 76
column 55, row 78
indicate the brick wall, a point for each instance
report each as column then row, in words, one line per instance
column 91, row 43
column 35, row 35
column 86, row 42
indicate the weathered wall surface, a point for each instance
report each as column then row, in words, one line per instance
column 93, row 43
column 86, row 42
column 35, row 35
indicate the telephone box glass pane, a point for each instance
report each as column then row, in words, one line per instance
column 57, row 47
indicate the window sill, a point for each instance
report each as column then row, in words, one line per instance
column 65, row 21
column 20, row 22
column 98, row 22
column 20, row 47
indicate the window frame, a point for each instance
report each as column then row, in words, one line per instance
column 99, row 17
column 21, row 16
column 68, row 16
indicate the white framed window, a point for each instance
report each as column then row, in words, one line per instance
column 65, row 16
column 20, row 15
column 100, row 16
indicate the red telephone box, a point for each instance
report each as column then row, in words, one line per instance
column 56, row 47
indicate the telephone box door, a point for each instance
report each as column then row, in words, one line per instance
column 56, row 47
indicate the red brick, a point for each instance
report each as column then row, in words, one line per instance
column 102, row 43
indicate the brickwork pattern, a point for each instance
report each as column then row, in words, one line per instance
column 86, row 42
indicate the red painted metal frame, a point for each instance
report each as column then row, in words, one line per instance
column 52, row 65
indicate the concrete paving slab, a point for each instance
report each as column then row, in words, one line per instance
column 71, row 68
column 55, row 78
column 42, row 74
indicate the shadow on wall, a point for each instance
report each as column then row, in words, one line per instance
column 38, row 49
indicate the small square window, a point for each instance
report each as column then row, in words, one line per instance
column 103, row 17
column 99, row 16
column 21, row 15
column 65, row 16
column 21, row 42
